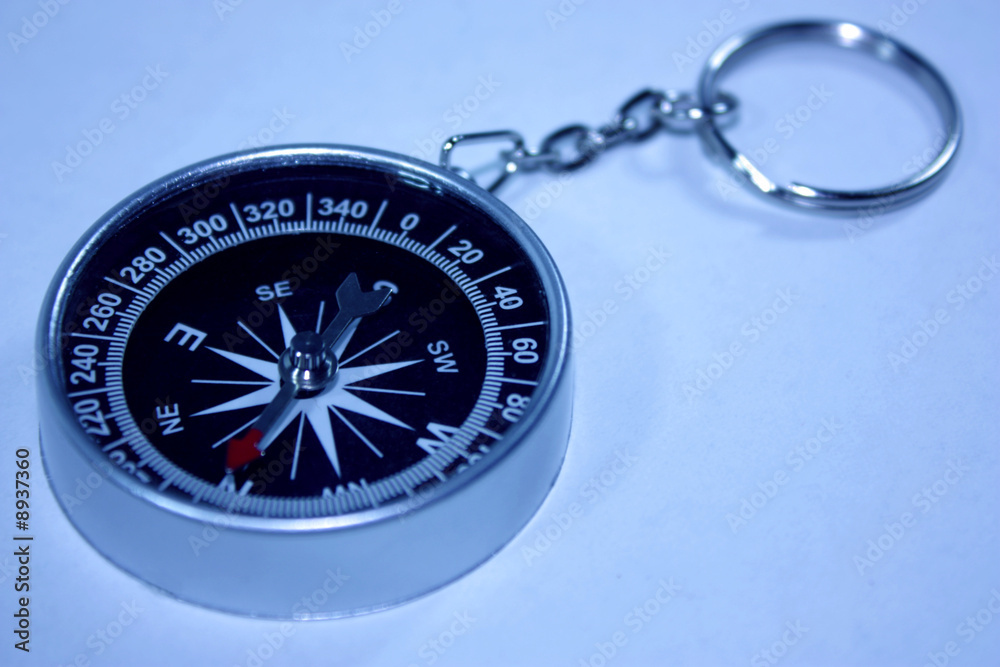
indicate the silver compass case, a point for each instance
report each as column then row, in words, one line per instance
column 318, row 566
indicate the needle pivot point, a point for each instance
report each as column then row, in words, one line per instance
column 308, row 363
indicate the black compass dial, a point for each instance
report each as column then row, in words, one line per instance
column 173, row 336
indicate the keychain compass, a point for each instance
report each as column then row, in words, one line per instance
column 305, row 360
column 286, row 365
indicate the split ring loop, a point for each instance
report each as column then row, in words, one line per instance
column 849, row 36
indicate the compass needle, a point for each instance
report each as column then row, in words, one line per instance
column 308, row 364
column 345, row 340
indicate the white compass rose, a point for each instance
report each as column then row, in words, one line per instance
column 336, row 398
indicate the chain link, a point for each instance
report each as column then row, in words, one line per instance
column 574, row 146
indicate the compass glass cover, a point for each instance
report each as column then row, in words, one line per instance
column 171, row 329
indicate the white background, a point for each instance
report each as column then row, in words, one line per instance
column 859, row 288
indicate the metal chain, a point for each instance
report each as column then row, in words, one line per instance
column 574, row 146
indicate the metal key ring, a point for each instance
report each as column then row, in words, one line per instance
column 849, row 36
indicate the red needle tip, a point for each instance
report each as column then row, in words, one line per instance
column 242, row 451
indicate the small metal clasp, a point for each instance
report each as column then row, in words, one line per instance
column 574, row 146
column 707, row 113
column 511, row 157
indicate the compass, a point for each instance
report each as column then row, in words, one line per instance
column 283, row 364
column 320, row 380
